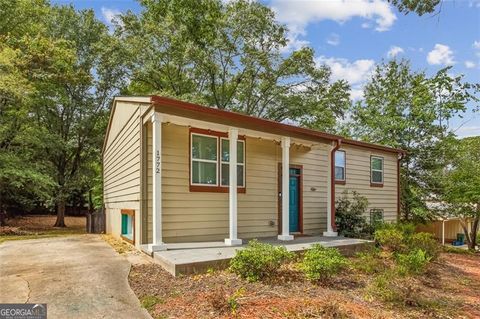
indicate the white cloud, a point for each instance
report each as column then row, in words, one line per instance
column 469, row 64
column 356, row 93
column 294, row 43
column 394, row 51
column 466, row 131
column 474, row 3
column 355, row 73
column 333, row 39
column 298, row 14
column 366, row 25
column 109, row 14
column 476, row 46
column 441, row 54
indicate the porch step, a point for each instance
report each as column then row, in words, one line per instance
column 193, row 258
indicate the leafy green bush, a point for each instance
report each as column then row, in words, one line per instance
column 369, row 262
column 350, row 216
column 413, row 263
column 391, row 239
column 427, row 243
column 395, row 237
column 259, row 260
column 320, row 263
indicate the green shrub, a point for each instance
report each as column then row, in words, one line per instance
column 390, row 287
column 258, row 260
column 427, row 243
column 391, row 239
column 350, row 215
column 320, row 263
column 413, row 262
column 383, row 287
column 369, row 262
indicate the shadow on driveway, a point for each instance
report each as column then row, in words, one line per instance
column 78, row 277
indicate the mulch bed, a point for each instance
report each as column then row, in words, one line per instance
column 451, row 285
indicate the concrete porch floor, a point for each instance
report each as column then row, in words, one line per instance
column 190, row 258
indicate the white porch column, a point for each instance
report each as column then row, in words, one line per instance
column 331, row 177
column 285, row 190
column 232, row 195
column 157, row 244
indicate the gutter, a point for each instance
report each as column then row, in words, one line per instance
column 400, row 157
column 332, row 183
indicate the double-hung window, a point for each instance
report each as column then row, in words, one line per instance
column 209, row 161
column 225, row 171
column 376, row 171
column 204, row 161
column 340, row 166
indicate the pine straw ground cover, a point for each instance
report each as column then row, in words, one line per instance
column 449, row 289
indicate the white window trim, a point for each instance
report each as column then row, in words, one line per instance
column 203, row 160
column 223, row 162
column 376, row 170
column 344, row 165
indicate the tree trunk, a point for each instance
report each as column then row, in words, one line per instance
column 473, row 234
column 3, row 214
column 60, row 214
column 464, row 224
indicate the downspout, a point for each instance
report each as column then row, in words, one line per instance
column 332, row 183
column 400, row 157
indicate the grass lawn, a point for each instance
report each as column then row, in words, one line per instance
column 449, row 289
column 40, row 226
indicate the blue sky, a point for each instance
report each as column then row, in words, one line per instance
column 351, row 36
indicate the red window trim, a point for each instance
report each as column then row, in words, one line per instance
column 341, row 181
column 130, row 212
column 376, row 184
column 214, row 188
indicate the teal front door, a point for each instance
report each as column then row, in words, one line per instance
column 294, row 198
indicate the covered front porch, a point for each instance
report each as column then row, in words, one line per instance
column 180, row 209
column 191, row 258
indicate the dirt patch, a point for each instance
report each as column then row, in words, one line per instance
column 40, row 226
column 45, row 222
column 448, row 290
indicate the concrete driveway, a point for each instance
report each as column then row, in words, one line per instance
column 78, row 277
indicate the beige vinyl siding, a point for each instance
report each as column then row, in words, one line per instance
column 202, row 216
column 187, row 216
column 314, row 160
column 358, row 179
column 121, row 166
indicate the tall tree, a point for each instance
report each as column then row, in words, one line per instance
column 70, row 108
column 24, row 59
column 229, row 55
column 410, row 110
column 461, row 183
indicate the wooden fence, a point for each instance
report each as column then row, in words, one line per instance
column 96, row 222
